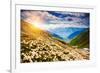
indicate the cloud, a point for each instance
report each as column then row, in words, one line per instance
column 55, row 19
column 74, row 14
column 41, row 14
column 52, row 26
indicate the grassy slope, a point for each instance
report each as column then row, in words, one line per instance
column 82, row 40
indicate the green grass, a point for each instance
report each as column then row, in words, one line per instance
column 82, row 40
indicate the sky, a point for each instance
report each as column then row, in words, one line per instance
column 55, row 19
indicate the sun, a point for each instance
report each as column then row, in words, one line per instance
column 38, row 22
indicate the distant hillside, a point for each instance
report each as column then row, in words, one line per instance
column 82, row 40
column 56, row 36
column 74, row 34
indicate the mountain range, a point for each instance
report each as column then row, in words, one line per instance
column 67, row 34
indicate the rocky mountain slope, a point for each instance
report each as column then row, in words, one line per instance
column 39, row 46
